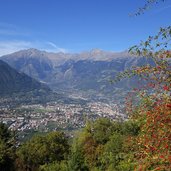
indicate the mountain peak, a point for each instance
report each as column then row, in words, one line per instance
column 96, row 51
column 26, row 53
column 32, row 51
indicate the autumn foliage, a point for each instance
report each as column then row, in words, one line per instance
column 154, row 107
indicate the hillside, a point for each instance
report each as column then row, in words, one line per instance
column 15, row 82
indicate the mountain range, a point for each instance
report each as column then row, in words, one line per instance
column 87, row 73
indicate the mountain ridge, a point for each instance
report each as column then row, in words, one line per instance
column 86, row 72
column 40, row 64
column 16, row 82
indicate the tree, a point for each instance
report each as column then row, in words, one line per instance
column 7, row 149
column 154, row 107
column 104, row 145
column 42, row 150
column 5, row 133
column 61, row 166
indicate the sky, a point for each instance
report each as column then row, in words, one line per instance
column 77, row 25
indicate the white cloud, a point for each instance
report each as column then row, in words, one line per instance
column 10, row 45
column 54, row 48
column 7, row 47
column 52, row 44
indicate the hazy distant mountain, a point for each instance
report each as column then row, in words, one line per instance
column 31, row 62
column 12, row 81
column 44, row 66
column 88, row 74
column 87, row 71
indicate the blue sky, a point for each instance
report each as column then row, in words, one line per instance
column 77, row 25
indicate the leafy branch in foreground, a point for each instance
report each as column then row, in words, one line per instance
column 154, row 109
column 156, row 48
column 147, row 6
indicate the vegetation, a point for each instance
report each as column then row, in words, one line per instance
column 155, row 108
column 7, row 148
column 42, row 150
column 147, row 6
column 141, row 143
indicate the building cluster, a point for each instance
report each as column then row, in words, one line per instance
column 55, row 115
